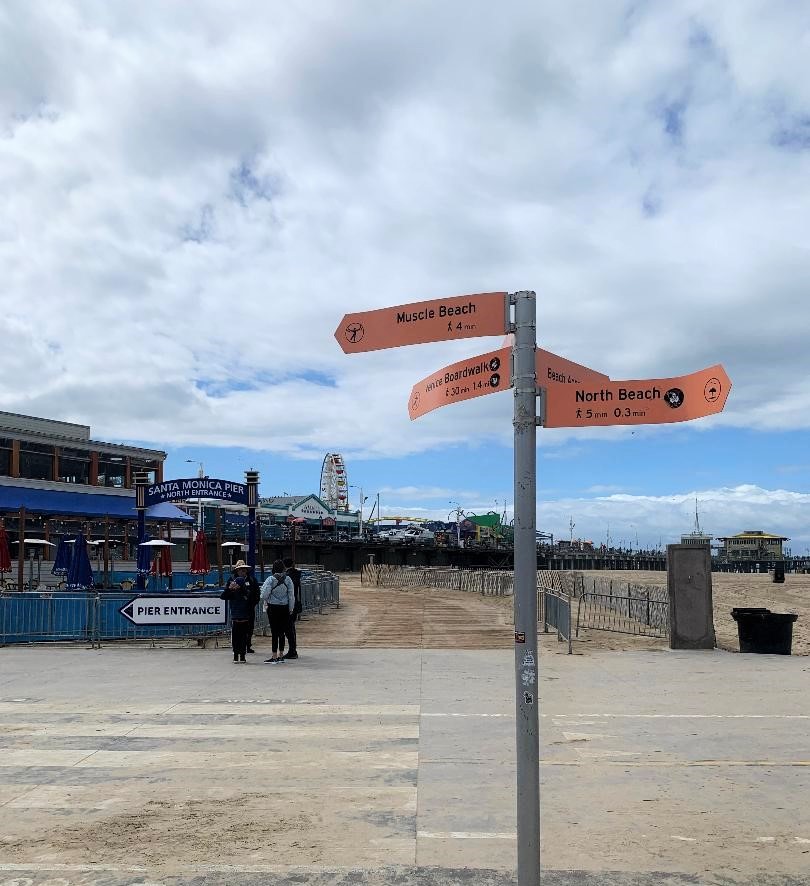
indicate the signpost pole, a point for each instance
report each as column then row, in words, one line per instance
column 141, row 482
column 525, row 593
column 252, row 481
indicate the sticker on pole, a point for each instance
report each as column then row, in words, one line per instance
column 651, row 401
column 445, row 319
column 175, row 611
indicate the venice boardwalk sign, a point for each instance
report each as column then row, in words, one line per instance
column 196, row 487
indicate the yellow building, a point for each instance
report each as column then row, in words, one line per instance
column 753, row 544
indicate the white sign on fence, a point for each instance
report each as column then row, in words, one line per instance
column 175, row 611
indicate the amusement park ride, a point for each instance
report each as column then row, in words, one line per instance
column 334, row 482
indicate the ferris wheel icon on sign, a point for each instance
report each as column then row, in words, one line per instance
column 354, row 332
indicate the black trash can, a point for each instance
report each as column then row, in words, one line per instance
column 778, row 572
column 763, row 631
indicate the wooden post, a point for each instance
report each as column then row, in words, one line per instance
column 219, row 545
column 170, row 579
column 15, row 458
column 261, row 545
column 21, row 549
column 107, row 581
column 93, row 478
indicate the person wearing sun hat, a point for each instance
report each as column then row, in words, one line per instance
column 242, row 593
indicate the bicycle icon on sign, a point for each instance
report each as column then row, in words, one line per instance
column 354, row 333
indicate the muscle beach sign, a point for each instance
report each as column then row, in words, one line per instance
column 196, row 487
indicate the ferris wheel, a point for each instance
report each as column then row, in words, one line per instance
column 334, row 482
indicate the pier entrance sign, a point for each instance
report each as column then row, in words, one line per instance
column 151, row 610
column 651, row 401
column 488, row 374
column 445, row 319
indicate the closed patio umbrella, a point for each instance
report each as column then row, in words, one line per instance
column 166, row 563
column 161, row 560
column 200, row 565
column 144, row 560
column 5, row 556
column 80, row 574
column 161, row 563
column 64, row 554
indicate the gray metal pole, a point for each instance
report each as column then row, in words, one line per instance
column 525, row 593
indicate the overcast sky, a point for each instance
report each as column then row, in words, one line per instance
column 194, row 194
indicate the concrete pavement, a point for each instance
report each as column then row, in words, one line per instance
column 367, row 766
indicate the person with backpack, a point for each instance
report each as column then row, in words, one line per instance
column 292, row 636
column 278, row 593
column 242, row 593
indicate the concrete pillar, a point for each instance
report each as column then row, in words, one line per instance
column 691, row 615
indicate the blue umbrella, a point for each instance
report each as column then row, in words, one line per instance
column 64, row 555
column 144, row 562
column 80, row 575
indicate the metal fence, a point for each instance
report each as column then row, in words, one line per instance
column 93, row 617
column 601, row 603
column 317, row 590
column 489, row 582
column 555, row 590
column 622, row 607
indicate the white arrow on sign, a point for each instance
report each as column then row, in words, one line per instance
column 175, row 611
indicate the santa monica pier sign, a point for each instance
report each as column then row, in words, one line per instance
column 196, row 487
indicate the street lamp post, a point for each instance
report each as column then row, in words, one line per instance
column 459, row 514
column 200, row 475
column 362, row 502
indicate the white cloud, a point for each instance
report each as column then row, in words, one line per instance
column 191, row 202
column 722, row 511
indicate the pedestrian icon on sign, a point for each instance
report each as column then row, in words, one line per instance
column 354, row 332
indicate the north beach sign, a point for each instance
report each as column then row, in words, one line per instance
column 196, row 487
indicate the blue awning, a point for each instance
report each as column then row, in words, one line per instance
column 83, row 504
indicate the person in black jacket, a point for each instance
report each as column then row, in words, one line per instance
column 292, row 637
column 242, row 593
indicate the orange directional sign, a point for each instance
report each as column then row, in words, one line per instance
column 488, row 374
column 445, row 319
column 651, row 401
column 473, row 377
column 553, row 370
